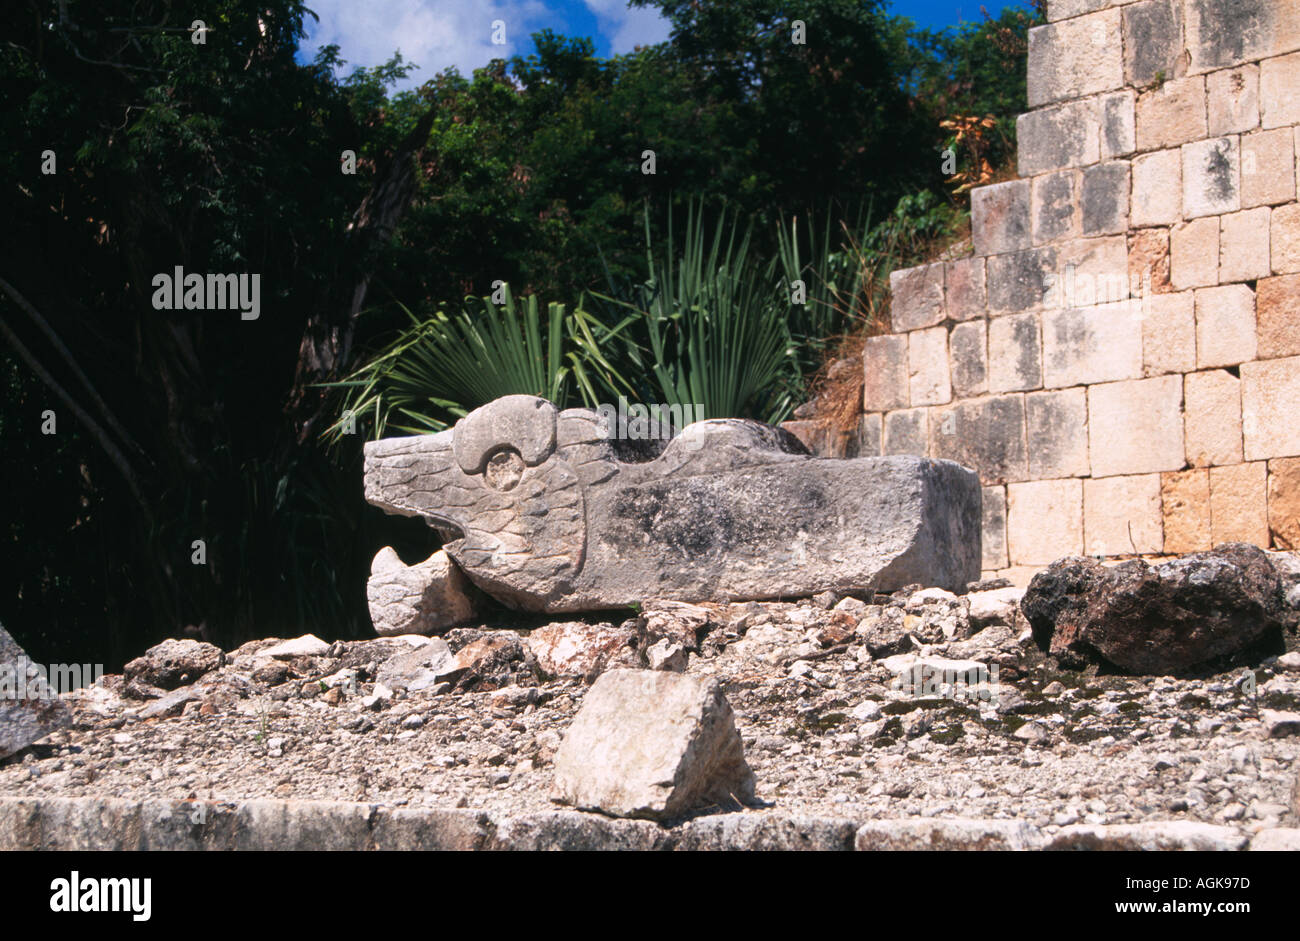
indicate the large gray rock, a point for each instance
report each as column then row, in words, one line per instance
column 544, row 515
column 174, row 663
column 652, row 744
column 29, row 708
column 416, row 599
column 1176, row 617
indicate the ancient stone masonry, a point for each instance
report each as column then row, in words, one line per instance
column 544, row 514
column 1119, row 355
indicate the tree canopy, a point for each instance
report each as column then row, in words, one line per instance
column 133, row 149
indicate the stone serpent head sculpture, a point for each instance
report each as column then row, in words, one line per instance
column 544, row 515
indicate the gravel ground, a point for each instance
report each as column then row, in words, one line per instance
column 825, row 731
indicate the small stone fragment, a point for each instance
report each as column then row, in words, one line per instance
column 308, row 645
column 417, row 599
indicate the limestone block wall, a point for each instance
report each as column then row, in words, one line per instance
column 1119, row 357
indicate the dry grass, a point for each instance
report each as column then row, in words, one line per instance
column 835, row 391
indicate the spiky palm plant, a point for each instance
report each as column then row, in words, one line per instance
column 713, row 322
column 445, row 365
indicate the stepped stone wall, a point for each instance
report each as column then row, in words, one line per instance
column 1119, row 357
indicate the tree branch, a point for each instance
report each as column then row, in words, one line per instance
column 114, row 454
column 30, row 310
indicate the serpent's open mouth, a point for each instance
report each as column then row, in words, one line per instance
column 448, row 530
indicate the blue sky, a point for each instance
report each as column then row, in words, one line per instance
column 435, row 34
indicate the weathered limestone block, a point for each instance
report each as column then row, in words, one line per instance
column 1276, row 303
column 1296, row 149
column 1171, row 114
column 1153, row 40
column 817, row 435
column 1092, row 344
column 1222, row 33
column 1058, row 427
column 1157, row 188
column 1117, row 113
column 884, row 373
column 1148, row 262
column 968, row 348
column 416, row 599
column 1044, row 520
column 1054, row 206
column 747, row 832
column 1267, row 168
column 1283, row 502
column 653, row 744
column 994, row 528
column 1022, row 280
column 1154, row 836
column 1211, row 177
column 1284, row 239
column 547, row 517
column 1065, row 9
column 1278, row 80
column 964, row 289
column 988, row 434
column 1194, row 254
column 1014, row 360
column 1122, row 515
column 30, row 708
column 916, row 297
column 927, row 367
column 1232, row 100
column 1093, row 271
column 1185, row 502
column 1278, row 839
column 1104, row 198
column 1243, row 245
column 947, row 834
column 1135, row 427
column 1270, row 402
column 1074, row 58
column 1225, row 326
column 1238, row 504
column 1169, row 333
column 907, row 432
column 1056, row 137
column 1212, row 406
column 870, row 430
column 1000, row 217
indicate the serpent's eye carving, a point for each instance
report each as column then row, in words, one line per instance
column 523, row 424
column 504, row 469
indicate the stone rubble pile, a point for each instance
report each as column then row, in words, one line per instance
column 890, row 717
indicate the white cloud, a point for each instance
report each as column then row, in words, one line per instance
column 434, row 34
column 627, row 27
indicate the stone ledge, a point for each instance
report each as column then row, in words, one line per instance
column 91, row 824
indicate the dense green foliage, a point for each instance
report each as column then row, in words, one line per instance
column 183, row 425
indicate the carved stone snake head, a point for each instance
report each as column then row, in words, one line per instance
column 496, row 482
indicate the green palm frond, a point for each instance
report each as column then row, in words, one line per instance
column 441, row 367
